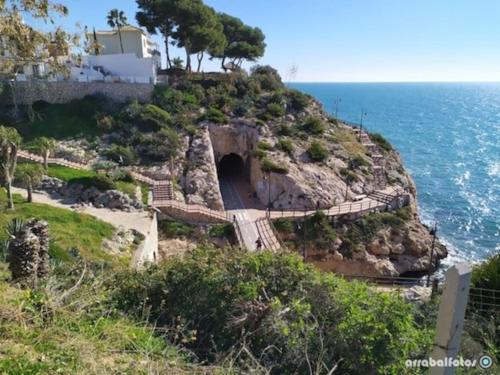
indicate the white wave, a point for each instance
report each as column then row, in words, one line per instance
column 494, row 169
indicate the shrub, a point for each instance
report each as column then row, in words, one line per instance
column 317, row 230
column 349, row 175
column 160, row 146
column 259, row 153
column 380, row 141
column 173, row 228
column 285, row 130
column 259, row 122
column 317, row 152
column 284, row 226
column 263, row 145
column 216, row 116
column 313, row 125
column 122, row 155
column 173, row 100
column 275, row 110
column 99, row 181
column 269, row 166
column 285, row 145
column 105, row 123
column 147, row 117
column 298, row 100
column 487, row 274
column 210, row 298
column 221, row 231
column 358, row 161
column 267, row 77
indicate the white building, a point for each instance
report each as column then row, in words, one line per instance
column 134, row 40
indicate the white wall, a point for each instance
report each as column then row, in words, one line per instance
column 125, row 66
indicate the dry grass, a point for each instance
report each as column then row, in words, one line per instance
column 349, row 142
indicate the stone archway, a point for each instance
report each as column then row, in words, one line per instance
column 232, row 166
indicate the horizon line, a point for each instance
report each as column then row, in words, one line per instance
column 498, row 81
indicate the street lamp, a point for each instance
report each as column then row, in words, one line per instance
column 363, row 114
column 337, row 101
column 433, row 233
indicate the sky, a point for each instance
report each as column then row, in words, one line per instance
column 354, row 40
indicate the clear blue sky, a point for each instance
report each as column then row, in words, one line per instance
column 357, row 40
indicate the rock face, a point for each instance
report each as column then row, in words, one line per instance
column 28, row 251
column 201, row 183
column 388, row 253
column 112, row 199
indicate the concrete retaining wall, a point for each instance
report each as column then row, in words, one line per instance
column 65, row 91
column 147, row 251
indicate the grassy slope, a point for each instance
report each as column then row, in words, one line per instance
column 62, row 121
column 69, row 229
column 40, row 333
column 68, row 174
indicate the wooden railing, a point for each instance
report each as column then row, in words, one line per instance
column 267, row 235
column 192, row 209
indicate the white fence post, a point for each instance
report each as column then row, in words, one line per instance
column 451, row 317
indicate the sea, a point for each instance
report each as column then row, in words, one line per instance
column 448, row 135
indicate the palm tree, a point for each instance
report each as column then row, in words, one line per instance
column 9, row 143
column 29, row 175
column 43, row 146
column 117, row 18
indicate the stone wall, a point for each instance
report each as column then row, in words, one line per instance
column 65, row 91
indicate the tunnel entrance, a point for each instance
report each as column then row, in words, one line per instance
column 231, row 166
column 235, row 187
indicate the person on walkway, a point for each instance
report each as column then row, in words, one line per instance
column 259, row 244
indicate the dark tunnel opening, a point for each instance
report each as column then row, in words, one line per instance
column 231, row 166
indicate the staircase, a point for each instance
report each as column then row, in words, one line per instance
column 162, row 191
column 267, row 235
column 378, row 161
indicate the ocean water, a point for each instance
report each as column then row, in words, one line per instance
column 448, row 135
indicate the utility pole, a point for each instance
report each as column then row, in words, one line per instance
column 451, row 318
column 433, row 233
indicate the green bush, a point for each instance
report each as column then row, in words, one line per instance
column 216, row 116
column 259, row 122
column 174, row 228
column 292, row 316
column 266, row 77
column 285, row 130
column 317, row 152
column 173, row 100
column 123, row 155
column 487, row 274
column 358, row 161
column 269, row 166
column 298, row 100
column 349, row 175
column 284, row 226
column 99, row 181
column 263, row 145
column 160, row 146
column 259, row 153
column 285, row 145
column 313, row 125
column 380, row 141
column 275, row 110
column 318, row 232
column 221, row 231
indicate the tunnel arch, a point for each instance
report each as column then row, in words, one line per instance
column 231, row 166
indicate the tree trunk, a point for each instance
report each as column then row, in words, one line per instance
column 200, row 58
column 188, row 60
column 10, row 203
column 121, row 41
column 30, row 192
column 167, row 52
column 222, row 64
column 46, row 160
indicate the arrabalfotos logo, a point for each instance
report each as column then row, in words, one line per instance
column 484, row 362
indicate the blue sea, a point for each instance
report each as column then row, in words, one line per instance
column 448, row 135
